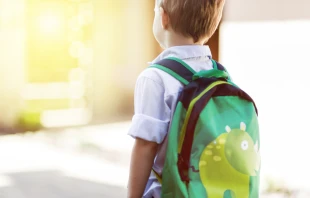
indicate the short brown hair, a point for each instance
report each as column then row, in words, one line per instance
column 194, row 18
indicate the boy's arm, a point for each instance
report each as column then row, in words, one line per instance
column 149, row 127
column 142, row 160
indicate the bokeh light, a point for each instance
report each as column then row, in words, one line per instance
column 50, row 23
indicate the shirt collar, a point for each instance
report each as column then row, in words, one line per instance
column 185, row 52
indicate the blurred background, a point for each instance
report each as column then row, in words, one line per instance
column 67, row 77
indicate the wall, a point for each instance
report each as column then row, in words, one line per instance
column 249, row 10
column 123, row 44
column 11, row 60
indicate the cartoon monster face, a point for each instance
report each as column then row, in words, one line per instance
column 241, row 152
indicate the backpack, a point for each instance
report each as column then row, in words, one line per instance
column 213, row 141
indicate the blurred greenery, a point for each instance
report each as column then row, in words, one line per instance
column 29, row 121
column 276, row 186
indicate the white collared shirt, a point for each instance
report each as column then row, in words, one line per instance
column 155, row 99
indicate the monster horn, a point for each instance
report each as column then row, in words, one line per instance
column 242, row 126
column 228, row 129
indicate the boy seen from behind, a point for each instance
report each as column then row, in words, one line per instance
column 181, row 27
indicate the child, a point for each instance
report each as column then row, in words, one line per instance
column 181, row 27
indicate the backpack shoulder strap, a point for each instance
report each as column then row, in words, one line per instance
column 176, row 68
column 182, row 71
column 220, row 67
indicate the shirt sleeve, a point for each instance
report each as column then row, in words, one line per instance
column 152, row 114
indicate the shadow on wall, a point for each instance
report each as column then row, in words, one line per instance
column 52, row 184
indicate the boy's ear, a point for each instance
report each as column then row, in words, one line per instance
column 164, row 18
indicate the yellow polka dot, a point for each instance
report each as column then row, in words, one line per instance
column 218, row 147
column 210, row 146
column 208, row 152
column 217, row 158
column 202, row 163
column 222, row 141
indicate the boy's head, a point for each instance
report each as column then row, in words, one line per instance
column 191, row 19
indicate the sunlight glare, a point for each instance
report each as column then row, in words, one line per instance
column 50, row 23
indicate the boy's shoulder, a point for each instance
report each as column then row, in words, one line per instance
column 155, row 75
column 151, row 76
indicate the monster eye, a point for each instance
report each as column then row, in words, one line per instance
column 244, row 145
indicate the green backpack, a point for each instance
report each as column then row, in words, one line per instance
column 213, row 142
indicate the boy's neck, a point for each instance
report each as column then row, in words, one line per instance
column 174, row 39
